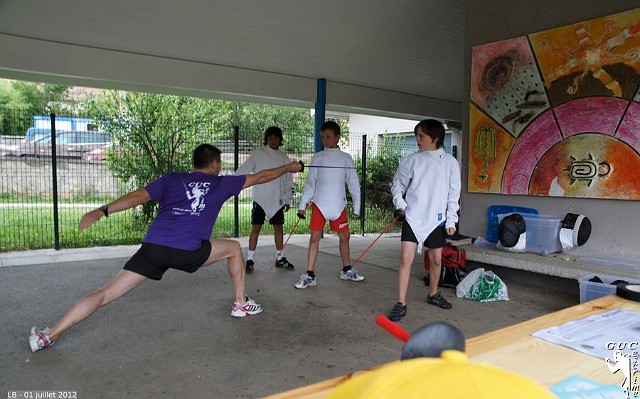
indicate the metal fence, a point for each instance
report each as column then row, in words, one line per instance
column 43, row 197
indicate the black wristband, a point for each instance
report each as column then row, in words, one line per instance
column 105, row 210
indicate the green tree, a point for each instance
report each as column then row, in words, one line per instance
column 296, row 124
column 20, row 101
column 14, row 116
column 45, row 98
column 154, row 134
column 381, row 167
column 9, row 97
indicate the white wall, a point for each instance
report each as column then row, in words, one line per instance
column 374, row 126
column 378, row 125
column 615, row 222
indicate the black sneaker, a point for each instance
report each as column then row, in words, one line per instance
column 249, row 266
column 399, row 311
column 439, row 301
column 284, row 263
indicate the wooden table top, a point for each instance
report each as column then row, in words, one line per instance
column 514, row 349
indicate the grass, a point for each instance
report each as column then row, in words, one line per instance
column 33, row 228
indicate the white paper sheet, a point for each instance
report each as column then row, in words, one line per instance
column 598, row 335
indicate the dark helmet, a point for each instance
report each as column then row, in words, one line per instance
column 510, row 229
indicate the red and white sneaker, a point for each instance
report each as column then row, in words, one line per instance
column 249, row 307
column 39, row 339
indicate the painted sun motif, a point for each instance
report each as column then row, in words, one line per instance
column 594, row 54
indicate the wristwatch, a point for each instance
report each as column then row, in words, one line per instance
column 105, row 210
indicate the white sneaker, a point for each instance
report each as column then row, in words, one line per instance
column 249, row 307
column 305, row 281
column 39, row 339
column 352, row 275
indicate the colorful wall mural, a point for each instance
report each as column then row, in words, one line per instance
column 557, row 113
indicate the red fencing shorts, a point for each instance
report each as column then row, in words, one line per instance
column 318, row 221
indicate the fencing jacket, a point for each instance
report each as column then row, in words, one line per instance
column 325, row 186
column 275, row 194
column 430, row 184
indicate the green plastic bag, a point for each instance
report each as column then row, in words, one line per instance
column 483, row 286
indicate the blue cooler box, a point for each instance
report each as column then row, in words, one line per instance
column 543, row 233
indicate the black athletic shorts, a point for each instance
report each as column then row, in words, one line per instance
column 153, row 260
column 258, row 215
column 437, row 238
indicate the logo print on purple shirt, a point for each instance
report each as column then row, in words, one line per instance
column 195, row 193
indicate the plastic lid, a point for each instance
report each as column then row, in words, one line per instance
column 452, row 376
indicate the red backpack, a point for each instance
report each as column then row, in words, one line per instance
column 453, row 270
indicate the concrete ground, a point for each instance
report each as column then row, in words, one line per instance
column 175, row 338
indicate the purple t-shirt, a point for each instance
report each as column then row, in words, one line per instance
column 189, row 206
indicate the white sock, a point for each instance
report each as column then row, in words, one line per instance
column 280, row 255
column 250, row 254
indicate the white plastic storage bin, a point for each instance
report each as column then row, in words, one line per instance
column 543, row 232
column 590, row 290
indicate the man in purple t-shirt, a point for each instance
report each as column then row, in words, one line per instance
column 179, row 238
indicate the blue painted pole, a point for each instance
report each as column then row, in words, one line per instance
column 321, row 102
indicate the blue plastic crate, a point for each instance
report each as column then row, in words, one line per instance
column 492, row 218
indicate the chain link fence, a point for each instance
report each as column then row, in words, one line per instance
column 47, row 186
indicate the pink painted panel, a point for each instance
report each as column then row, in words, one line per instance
column 532, row 144
column 590, row 115
column 629, row 131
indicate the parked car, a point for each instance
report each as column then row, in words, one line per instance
column 69, row 144
column 24, row 148
column 100, row 154
column 5, row 148
column 36, row 133
column 97, row 155
column 34, row 136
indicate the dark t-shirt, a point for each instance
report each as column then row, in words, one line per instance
column 189, row 206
